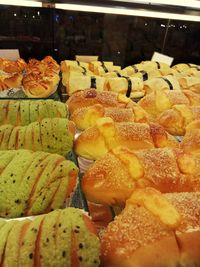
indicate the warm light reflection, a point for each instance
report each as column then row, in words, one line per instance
column 21, row 3
column 126, row 11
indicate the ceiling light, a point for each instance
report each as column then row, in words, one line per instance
column 126, row 11
column 191, row 3
column 21, row 3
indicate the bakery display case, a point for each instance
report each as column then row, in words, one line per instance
column 99, row 141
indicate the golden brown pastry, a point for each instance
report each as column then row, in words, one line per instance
column 154, row 230
column 191, row 140
column 175, row 120
column 10, row 66
column 91, row 97
column 39, row 86
column 113, row 178
column 86, row 117
column 106, row 134
column 159, row 101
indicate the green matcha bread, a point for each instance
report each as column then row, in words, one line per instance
column 53, row 135
column 62, row 238
column 23, row 112
column 33, row 183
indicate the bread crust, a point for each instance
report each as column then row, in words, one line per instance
column 91, row 97
column 137, row 238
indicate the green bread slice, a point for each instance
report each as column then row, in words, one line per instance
column 62, row 111
column 28, row 247
column 63, row 170
column 4, row 232
column 52, row 108
column 48, row 240
column 46, row 186
column 63, row 239
column 87, row 243
column 2, row 223
column 30, row 179
column 13, row 243
column 21, row 137
column 24, row 112
column 5, row 158
column 3, row 111
column 7, row 130
column 46, row 134
column 43, row 110
column 63, row 139
column 13, row 110
column 13, row 140
column 28, row 139
column 34, row 110
column 10, row 179
column 37, row 142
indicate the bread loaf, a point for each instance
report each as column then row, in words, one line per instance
column 87, row 116
column 54, row 135
column 34, row 182
column 23, row 112
column 175, row 120
column 96, row 141
column 121, row 171
column 91, row 97
column 154, row 230
column 60, row 238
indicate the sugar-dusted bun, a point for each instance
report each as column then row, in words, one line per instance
column 154, row 230
column 176, row 119
column 91, row 97
column 106, row 134
column 86, row 117
column 159, row 101
column 121, row 171
column 191, row 140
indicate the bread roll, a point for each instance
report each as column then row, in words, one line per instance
column 142, row 236
column 54, row 135
column 10, row 81
column 131, row 87
column 191, row 140
column 34, row 182
column 91, row 97
column 87, row 116
column 94, row 64
column 84, row 82
column 121, row 171
column 175, row 120
column 159, row 101
column 61, row 238
column 23, row 112
column 96, row 141
column 184, row 67
column 161, row 83
column 191, row 83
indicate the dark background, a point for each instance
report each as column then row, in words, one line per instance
column 38, row 32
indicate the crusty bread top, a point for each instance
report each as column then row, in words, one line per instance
column 91, row 97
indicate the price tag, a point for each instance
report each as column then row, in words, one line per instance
column 11, row 54
column 162, row 58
